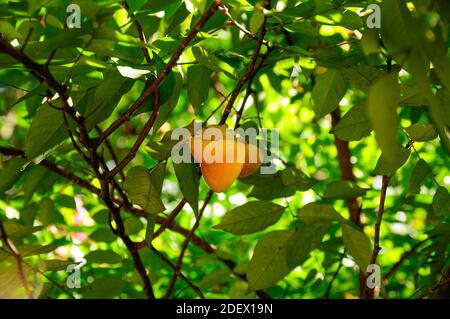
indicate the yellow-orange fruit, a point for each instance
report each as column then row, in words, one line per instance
column 223, row 158
column 253, row 158
column 220, row 176
column 201, row 140
column 222, row 163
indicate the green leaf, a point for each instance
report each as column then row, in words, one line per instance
column 362, row 76
column 296, row 179
column 421, row 132
column 11, row 173
column 328, row 91
column 136, row 5
column 269, row 263
column 396, row 27
column 103, row 235
column 386, row 167
column 54, row 265
column 217, row 277
column 35, row 249
column 46, row 132
column 161, row 150
column 37, row 180
column 384, row 96
column 420, row 171
column 358, row 245
column 103, row 288
column 302, row 27
column 11, row 283
column 157, row 175
column 354, row 125
column 441, row 202
column 319, row 213
column 46, row 212
column 166, row 109
column 370, row 42
column 143, row 191
column 102, row 217
column 188, row 178
column 350, row 20
column 251, row 217
column 307, row 238
column 343, row 190
column 198, row 80
column 166, row 88
column 280, row 251
column 9, row 31
column 150, row 229
column 133, row 225
column 268, row 187
column 210, row 61
column 256, row 20
column 103, row 257
column 106, row 97
column 16, row 230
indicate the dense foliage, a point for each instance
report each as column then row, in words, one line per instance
column 93, row 206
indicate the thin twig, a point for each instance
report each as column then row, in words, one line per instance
column 225, row 11
column 140, row 32
column 182, row 276
column 368, row 293
column 16, row 254
column 248, row 72
column 167, row 69
column 179, row 263
column 330, row 284
column 43, row 74
column 402, row 259
column 165, row 223
column 140, row 139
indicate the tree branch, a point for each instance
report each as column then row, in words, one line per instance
column 346, row 168
column 172, row 62
column 43, row 74
column 13, row 250
column 140, row 139
column 402, row 259
column 233, row 22
column 140, row 32
column 249, row 70
column 369, row 293
column 179, row 263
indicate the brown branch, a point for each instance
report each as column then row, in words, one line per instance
column 249, row 89
column 402, row 259
column 54, row 168
column 140, row 139
column 346, row 168
column 429, row 291
column 169, row 220
column 233, row 22
column 16, row 254
column 140, row 32
column 376, row 249
column 171, row 265
column 369, row 293
column 179, row 263
column 166, row 223
column 326, row 295
column 43, row 74
column 249, row 70
column 172, row 62
column 111, row 151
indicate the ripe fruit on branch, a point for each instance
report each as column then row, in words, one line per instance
column 223, row 157
column 253, row 159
